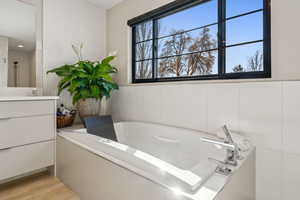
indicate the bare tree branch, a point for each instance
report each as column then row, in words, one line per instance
column 175, row 64
column 255, row 62
column 144, row 50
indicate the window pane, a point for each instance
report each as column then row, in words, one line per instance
column 143, row 69
column 244, row 29
column 245, row 58
column 199, row 40
column 143, row 50
column 204, row 63
column 197, row 16
column 237, row 7
column 144, row 31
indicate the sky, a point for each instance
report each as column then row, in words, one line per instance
column 242, row 29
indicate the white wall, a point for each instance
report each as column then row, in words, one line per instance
column 23, row 69
column 3, row 61
column 68, row 22
column 267, row 111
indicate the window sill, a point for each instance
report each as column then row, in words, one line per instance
column 205, row 82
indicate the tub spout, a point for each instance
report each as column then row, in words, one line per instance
column 232, row 149
column 228, row 135
column 228, row 146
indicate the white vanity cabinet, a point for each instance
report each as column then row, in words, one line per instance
column 27, row 135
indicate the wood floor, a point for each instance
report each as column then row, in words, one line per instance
column 39, row 187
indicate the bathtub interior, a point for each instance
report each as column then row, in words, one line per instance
column 180, row 147
column 172, row 157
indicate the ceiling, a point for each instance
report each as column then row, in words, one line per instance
column 17, row 23
column 106, row 3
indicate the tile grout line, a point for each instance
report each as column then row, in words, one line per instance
column 282, row 138
column 239, row 109
column 160, row 103
column 206, row 106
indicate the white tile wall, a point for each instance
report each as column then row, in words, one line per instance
column 268, row 174
column 131, row 103
column 184, row 105
column 291, row 113
column 222, row 106
column 171, row 104
column 152, row 104
column 193, row 109
column 291, row 174
column 267, row 112
column 261, row 113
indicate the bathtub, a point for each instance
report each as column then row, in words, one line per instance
column 151, row 162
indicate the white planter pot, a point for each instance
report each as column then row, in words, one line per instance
column 88, row 107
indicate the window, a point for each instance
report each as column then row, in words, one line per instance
column 202, row 40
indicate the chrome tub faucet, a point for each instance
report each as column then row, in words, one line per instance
column 231, row 147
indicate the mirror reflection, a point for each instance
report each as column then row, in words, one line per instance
column 17, row 43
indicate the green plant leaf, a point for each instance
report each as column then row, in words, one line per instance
column 74, row 86
column 95, row 91
column 105, row 68
column 87, row 79
column 81, row 74
column 106, row 77
column 62, row 88
column 106, row 93
column 87, row 66
column 76, row 98
column 110, row 86
column 63, row 84
column 107, row 60
column 85, row 93
column 65, row 70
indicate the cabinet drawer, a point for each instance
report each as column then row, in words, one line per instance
column 26, row 108
column 24, row 159
column 26, row 130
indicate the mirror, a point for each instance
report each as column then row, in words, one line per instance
column 18, row 38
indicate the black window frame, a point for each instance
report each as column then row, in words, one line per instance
column 179, row 5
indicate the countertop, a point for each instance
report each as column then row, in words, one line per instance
column 28, row 98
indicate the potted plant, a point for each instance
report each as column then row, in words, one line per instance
column 87, row 81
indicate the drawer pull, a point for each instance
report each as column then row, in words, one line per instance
column 6, row 118
column 5, row 149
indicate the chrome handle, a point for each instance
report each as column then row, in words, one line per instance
column 5, row 118
column 5, row 149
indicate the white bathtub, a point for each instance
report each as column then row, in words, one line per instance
column 150, row 161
